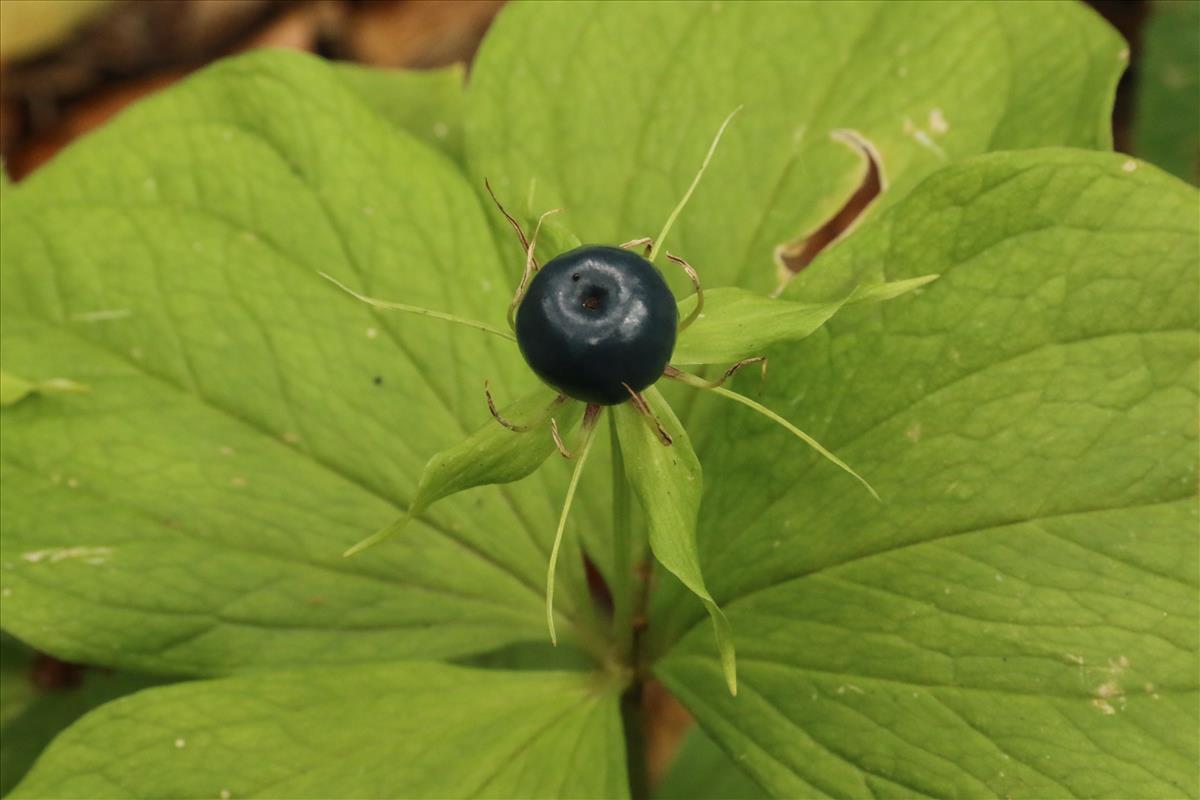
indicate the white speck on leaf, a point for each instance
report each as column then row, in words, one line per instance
column 136, row 354
column 72, row 483
column 1123, row 54
column 1108, row 689
column 937, row 121
column 226, row 450
column 1104, row 707
column 1129, row 166
column 922, row 138
column 6, row 592
column 225, row 794
column 441, row 130
column 180, row 743
column 101, row 315
column 902, row 72
column 93, row 555
column 372, row 333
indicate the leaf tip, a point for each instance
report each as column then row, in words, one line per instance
column 357, row 548
column 378, row 536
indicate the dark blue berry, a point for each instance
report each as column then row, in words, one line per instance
column 595, row 320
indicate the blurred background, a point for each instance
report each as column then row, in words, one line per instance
column 67, row 66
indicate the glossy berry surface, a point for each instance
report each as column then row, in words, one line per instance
column 595, row 319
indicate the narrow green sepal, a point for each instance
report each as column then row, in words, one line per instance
column 589, row 429
column 668, row 483
column 738, row 323
column 492, row 454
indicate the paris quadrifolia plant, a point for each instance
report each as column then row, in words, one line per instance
column 600, row 327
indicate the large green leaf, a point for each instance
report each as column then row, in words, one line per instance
column 1018, row 618
column 246, row 420
column 608, row 108
column 407, row 730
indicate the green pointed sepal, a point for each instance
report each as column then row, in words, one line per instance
column 737, row 324
column 668, row 483
column 492, row 454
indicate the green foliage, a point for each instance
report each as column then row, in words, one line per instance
column 399, row 730
column 702, row 771
column 737, row 323
column 610, row 107
column 427, row 104
column 1166, row 127
column 668, row 483
column 231, row 449
column 31, row 716
column 1017, row 618
column 1022, row 607
column 490, row 455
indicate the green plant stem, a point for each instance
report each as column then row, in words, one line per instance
column 622, row 563
column 635, row 741
column 627, row 596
